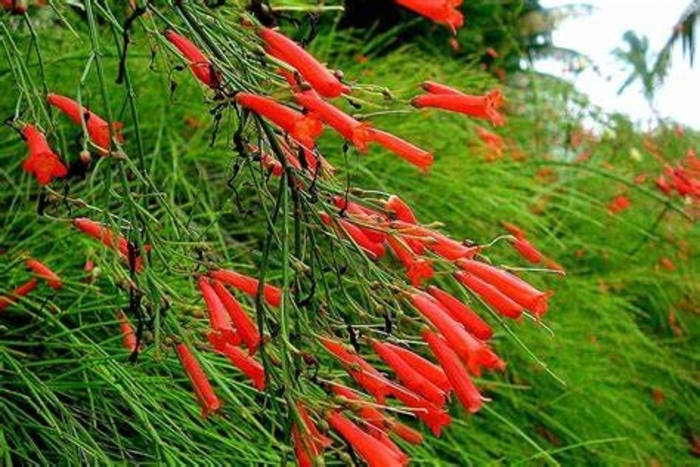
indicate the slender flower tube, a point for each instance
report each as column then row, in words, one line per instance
column 462, row 314
column 527, row 250
column 129, row 340
column 21, row 291
column 245, row 363
column 218, row 318
column 425, row 367
column 358, row 133
column 409, row 376
column 200, row 65
column 248, row 285
column 512, row 286
column 462, row 384
column 514, row 230
column 382, row 436
column 367, row 411
column 42, row 161
column 43, row 272
column 484, row 107
column 362, row 372
column 98, row 129
column 403, row 213
column 402, row 148
column 471, row 350
column 436, row 88
column 308, row 441
column 244, row 324
column 417, row 268
column 372, row 249
column 369, row 448
column 202, row 388
column 303, row 128
column 109, row 239
column 429, row 413
column 364, row 215
column 283, row 48
column 441, row 11
column 438, row 243
column 491, row 295
column 400, row 209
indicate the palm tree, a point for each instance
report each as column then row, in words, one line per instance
column 685, row 31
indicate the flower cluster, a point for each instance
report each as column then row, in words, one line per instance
column 417, row 264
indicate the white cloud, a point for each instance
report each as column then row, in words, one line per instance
column 597, row 34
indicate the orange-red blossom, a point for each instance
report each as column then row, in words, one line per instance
column 200, row 65
column 98, row 129
column 41, row 161
column 283, row 48
column 446, row 98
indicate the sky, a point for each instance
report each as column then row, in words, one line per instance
column 598, row 33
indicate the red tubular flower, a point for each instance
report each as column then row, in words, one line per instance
column 308, row 441
column 383, row 437
column 354, row 131
column 471, row 350
column 409, row 376
column 97, row 127
column 288, row 51
column 42, row 161
column 425, row 367
column 400, row 209
column 438, row 243
column 363, row 214
column 128, row 335
column 402, row 148
column 318, row 438
column 417, row 268
column 436, row 88
column 43, row 272
column 429, row 413
column 372, row 249
column 527, row 250
column 245, row 363
column 303, row 128
column 514, row 230
column 407, row 433
column 404, row 214
column 21, row 291
column 491, row 295
column 369, row 448
column 373, row 416
column 367, row 411
column 512, row 286
column 441, row 11
column 202, row 388
column 362, row 372
column 485, row 107
column 244, row 324
column 462, row 384
column 218, row 318
column 462, row 314
column 248, row 285
column 200, row 65
column 109, row 239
